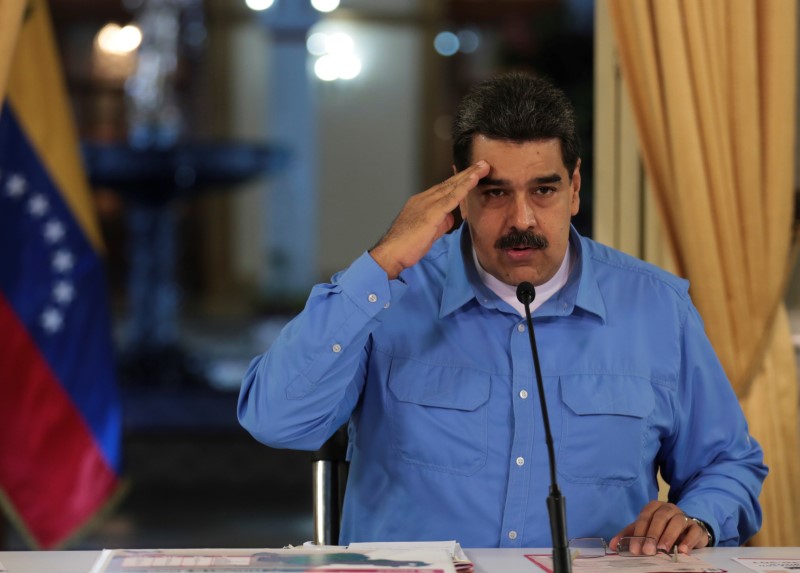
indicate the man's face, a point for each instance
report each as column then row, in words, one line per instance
column 519, row 214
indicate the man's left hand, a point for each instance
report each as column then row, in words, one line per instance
column 668, row 525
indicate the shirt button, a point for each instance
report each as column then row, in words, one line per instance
column 386, row 305
column 520, row 461
column 512, row 534
column 372, row 298
column 521, row 327
column 523, row 394
column 336, row 347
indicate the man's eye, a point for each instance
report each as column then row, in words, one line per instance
column 545, row 190
column 494, row 193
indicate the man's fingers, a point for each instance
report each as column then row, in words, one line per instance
column 643, row 522
column 453, row 190
column 672, row 529
column 692, row 537
column 627, row 531
column 668, row 525
column 424, row 218
column 470, row 172
column 444, row 226
column 661, row 521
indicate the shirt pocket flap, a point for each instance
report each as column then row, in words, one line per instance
column 606, row 394
column 438, row 386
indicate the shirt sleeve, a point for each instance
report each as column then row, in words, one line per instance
column 307, row 384
column 714, row 467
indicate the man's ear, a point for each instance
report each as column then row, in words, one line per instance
column 575, row 181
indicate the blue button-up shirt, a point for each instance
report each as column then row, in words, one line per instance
column 435, row 374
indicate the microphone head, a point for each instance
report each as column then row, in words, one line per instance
column 525, row 292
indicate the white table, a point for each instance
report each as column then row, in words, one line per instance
column 513, row 560
column 486, row 560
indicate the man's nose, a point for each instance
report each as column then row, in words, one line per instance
column 522, row 215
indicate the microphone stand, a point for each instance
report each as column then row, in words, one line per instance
column 556, row 504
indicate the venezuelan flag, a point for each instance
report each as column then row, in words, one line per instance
column 60, row 418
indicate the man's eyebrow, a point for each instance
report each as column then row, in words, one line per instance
column 554, row 178
column 492, row 182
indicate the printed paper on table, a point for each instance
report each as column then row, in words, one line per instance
column 770, row 564
column 296, row 560
column 646, row 564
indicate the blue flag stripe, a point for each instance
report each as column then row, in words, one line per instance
column 54, row 281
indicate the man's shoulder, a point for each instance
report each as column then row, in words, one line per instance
column 630, row 270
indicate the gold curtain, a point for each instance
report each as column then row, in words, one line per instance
column 712, row 84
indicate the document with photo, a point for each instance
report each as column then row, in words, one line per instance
column 295, row 560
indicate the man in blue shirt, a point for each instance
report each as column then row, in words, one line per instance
column 422, row 345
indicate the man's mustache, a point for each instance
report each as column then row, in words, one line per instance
column 522, row 239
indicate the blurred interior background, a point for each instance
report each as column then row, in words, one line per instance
column 239, row 152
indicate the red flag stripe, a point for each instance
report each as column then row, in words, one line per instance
column 46, row 479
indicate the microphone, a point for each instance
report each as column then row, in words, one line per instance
column 556, row 504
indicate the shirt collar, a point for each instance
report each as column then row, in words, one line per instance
column 582, row 290
column 463, row 283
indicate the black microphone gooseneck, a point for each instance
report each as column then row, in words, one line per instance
column 556, row 504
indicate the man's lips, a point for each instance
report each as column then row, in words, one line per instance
column 519, row 253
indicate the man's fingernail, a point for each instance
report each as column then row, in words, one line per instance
column 481, row 163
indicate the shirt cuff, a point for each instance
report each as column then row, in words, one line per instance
column 367, row 285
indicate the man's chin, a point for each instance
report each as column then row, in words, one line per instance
column 517, row 274
column 514, row 278
column 512, row 272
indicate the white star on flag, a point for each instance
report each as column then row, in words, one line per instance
column 54, row 231
column 63, row 292
column 52, row 320
column 38, row 205
column 63, row 261
column 16, row 185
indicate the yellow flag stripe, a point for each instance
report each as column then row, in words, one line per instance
column 37, row 93
column 10, row 20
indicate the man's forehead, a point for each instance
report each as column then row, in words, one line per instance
column 483, row 140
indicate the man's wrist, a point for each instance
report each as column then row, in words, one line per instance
column 705, row 527
column 390, row 266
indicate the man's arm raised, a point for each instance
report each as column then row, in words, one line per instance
column 424, row 218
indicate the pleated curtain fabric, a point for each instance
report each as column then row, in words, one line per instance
column 713, row 87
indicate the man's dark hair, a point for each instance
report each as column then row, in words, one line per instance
column 516, row 107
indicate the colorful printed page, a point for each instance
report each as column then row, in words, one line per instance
column 295, row 560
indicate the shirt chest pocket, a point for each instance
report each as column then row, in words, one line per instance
column 603, row 428
column 438, row 416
